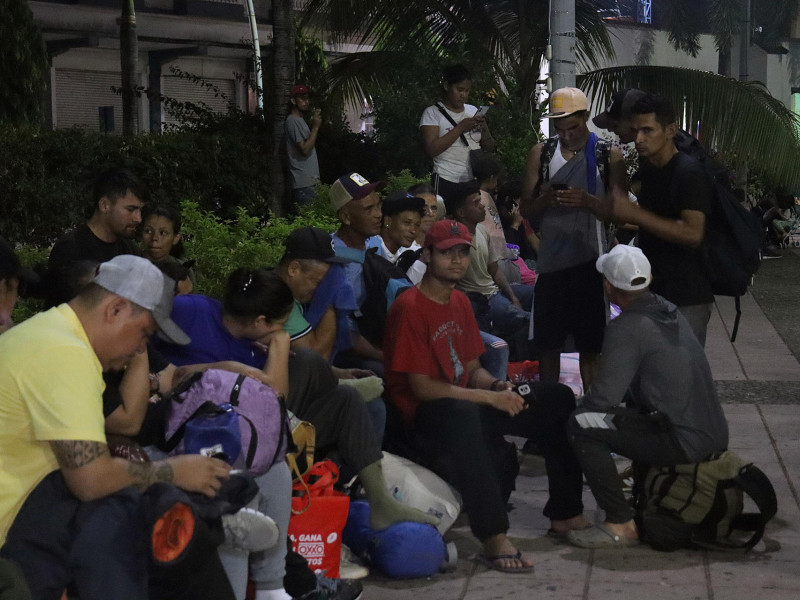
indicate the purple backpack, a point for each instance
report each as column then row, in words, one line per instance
column 263, row 419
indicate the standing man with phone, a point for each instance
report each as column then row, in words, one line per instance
column 566, row 177
column 300, row 145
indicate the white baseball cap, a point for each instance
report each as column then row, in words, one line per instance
column 140, row 281
column 625, row 267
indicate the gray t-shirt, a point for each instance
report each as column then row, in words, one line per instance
column 304, row 170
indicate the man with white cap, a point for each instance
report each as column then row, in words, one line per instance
column 65, row 514
column 672, row 414
column 566, row 179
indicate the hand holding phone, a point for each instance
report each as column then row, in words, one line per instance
column 482, row 111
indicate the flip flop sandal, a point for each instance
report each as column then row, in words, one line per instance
column 489, row 562
column 599, row 536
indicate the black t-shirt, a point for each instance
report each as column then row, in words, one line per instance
column 682, row 184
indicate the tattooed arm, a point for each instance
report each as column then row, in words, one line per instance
column 91, row 472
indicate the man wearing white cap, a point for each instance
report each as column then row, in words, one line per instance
column 672, row 414
column 565, row 180
column 61, row 517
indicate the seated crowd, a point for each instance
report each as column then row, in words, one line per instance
column 124, row 328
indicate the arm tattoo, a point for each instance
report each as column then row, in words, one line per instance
column 145, row 474
column 74, row 454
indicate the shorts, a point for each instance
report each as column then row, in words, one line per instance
column 570, row 301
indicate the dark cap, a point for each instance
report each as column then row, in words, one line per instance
column 446, row 234
column 351, row 187
column 620, row 107
column 311, row 243
column 299, row 90
column 11, row 267
column 400, row 201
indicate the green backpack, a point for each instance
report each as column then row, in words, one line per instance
column 701, row 505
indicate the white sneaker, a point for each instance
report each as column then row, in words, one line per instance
column 249, row 530
column 349, row 568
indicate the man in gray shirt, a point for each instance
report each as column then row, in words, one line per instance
column 672, row 414
column 300, row 140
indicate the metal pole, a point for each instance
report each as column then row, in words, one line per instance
column 129, row 65
column 562, row 40
column 251, row 13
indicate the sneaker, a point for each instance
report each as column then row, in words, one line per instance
column 249, row 530
column 349, row 567
column 334, row 589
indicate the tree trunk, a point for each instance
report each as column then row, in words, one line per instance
column 129, row 62
column 283, row 42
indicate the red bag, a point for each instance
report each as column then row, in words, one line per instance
column 319, row 514
column 520, row 372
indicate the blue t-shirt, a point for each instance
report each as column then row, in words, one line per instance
column 201, row 318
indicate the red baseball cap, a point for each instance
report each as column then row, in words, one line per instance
column 446, row 234
column 299, row 90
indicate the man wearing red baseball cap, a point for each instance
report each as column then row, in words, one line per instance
column 431, row 350
column 300, row 142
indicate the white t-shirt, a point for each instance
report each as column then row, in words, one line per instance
column 453, row 163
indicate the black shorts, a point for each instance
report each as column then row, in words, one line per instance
column 570, row 301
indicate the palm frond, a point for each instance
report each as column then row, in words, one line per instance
column 740, row 120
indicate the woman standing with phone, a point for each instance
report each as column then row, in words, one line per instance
column 451, row 129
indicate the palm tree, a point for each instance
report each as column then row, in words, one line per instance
column 512, row 35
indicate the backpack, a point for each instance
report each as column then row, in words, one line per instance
column 732, row 247
column 701, row 505
column 383, row 282
column 263, row 421
column 406, row 260
column 602, row 151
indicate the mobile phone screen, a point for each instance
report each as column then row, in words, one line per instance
column 482, row 111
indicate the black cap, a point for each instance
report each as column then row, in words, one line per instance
column 621, row 104
column 311, row 243
column 11, row 267
column 397, row 202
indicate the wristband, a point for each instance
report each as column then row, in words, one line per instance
column 493, row 386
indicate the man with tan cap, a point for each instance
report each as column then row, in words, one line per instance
column 672, row 414
column 65, row 515
column 565, row 179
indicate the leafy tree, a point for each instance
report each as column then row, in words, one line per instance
column 23, row 65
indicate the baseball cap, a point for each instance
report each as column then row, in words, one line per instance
column 625, row 267
column 446, row 234
column 565, row 101
column 312, row 243
column 11, row 267
column 140, row 281
column 399, row 201
column 351, row 187
column 299, row 89
column 620, row 107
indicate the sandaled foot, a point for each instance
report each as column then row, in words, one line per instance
column 506, row 563
column 600, row 536
column 560, row 528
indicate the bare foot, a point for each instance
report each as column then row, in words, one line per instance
column 500, row 546
column 566, row 525
column 626, row 530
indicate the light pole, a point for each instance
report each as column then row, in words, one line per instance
column 251, row 13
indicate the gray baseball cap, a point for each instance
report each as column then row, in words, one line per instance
column 140, row 281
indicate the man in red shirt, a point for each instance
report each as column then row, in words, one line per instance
column 431, row 350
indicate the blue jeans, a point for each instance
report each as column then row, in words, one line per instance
column 303, row 196
column 508, row 318
column 495, row 359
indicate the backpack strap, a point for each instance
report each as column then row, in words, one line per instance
column 548, row 150
column 602, row 153
column 408, row 258
column 452, row 122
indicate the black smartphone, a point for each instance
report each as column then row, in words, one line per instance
column 559, row 186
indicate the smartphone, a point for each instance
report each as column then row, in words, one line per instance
column 482, row 111
column 559, row 186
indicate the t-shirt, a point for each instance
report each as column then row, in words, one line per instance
column 82, row 244
column 481, row 254
column 51, row 388
column 415, row 271
column 428, row 338
column 678, row 273
column 297, row 326
column 493, row 225
column 453, row 164
column 201, row 318
column 304, row 170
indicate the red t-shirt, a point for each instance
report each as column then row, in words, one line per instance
column 428, row 338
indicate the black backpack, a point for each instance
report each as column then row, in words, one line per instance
column 732, row 248
column 407, row 259
column 701, row 505
column 383, row 281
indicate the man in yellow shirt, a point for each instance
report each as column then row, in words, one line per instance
column 65, row 513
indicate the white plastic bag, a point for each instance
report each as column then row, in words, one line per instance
column 416, row 486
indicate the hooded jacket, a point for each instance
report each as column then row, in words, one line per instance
column 651, row 350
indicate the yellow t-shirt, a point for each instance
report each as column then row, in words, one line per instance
column 51, row 386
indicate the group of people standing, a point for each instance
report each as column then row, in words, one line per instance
column 307, row 328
